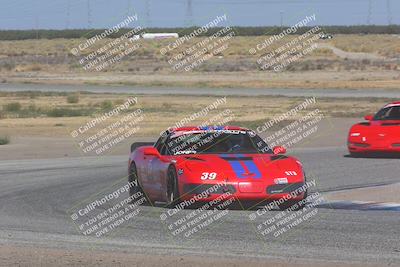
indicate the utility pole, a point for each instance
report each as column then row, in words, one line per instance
column 37, row 26
column 369, row 12
column 189, row 13
column 147, row 10
column 389, row 12
column 128, row 7
column 67, row 20
column 89, row 14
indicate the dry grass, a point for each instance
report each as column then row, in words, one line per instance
column 239, row 46
column 34, row 55
column 4, row 140
column 382, row 44
column 165, row 111
column 50, row 61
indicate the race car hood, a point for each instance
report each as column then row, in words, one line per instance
column 376, row 131
column 242, row 167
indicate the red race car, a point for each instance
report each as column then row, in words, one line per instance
column 188, row 161
column 380, row 134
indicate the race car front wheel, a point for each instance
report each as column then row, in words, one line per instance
column 172, row 188
column 135, row 185
column 294, row 204
column 355, row 154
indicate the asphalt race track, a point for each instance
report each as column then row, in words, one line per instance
column 36, row 194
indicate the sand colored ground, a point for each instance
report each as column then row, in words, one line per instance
column 328, row 79
column 386, row 193
column 36, row 256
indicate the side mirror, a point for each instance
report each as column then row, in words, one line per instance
column 279, row 150
column 151, row 151
column 369, row 117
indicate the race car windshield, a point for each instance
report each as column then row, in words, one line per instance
column 217, row 142
column 389, row 113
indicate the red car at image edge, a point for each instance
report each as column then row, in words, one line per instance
column 187, row 161
column 381, row 132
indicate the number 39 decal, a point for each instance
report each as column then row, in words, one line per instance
column 208, row 175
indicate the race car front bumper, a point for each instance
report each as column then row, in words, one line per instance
column 355, row 147
column 242, row 191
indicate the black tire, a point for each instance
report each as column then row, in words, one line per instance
column 302, row 203
column 293, row 205
column 355, row 155
column 132, row 177
column 299, row 204
column 172, row 188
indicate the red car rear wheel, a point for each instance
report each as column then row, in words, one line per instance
column 172, row 188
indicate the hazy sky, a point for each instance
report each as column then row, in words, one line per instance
column 60, row 14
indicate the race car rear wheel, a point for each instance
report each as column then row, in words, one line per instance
column 136, row 187
column 172, row 188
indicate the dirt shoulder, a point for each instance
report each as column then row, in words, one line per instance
column 385, row 193
column 35, row 256
column 317, row 79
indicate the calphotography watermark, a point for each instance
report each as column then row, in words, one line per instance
column 188, row 58
column 291, row 30
column 301, row 123
column 287, row 220
column 110, row 128
column 281, row 57
column 115, row 29
column 108, row 211
column 278, row 57
column 202, row 30
column 201, row 114
column 270, row 224
column 213, row 201
column 114, row 50
column 296, row 131
column 287, row 115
